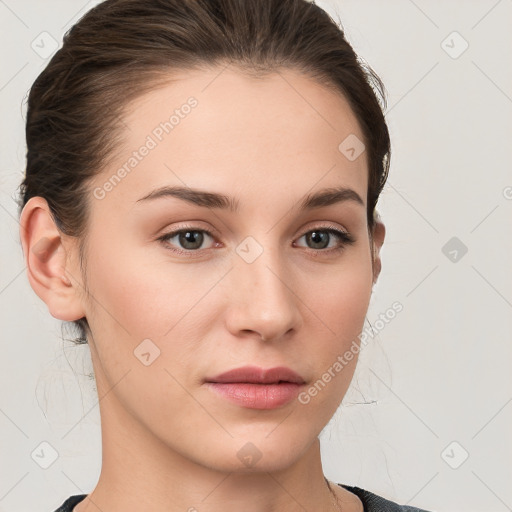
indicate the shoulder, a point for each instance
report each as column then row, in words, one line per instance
column 375, row 503
column 68, row 505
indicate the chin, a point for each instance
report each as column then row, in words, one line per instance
column 257, row 453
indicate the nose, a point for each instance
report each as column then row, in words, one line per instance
column 262, row 299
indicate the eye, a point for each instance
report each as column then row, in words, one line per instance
column 320, row 238
column 189, row 239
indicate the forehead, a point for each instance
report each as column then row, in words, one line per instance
column 219, row 127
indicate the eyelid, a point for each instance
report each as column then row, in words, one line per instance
column 327, row 225
column 189, row 226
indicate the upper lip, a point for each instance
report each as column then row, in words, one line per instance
column 257, row 375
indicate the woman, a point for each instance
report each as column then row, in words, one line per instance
column 199, row 200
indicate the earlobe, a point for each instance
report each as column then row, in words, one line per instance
column 379, row 233
column 47, row 262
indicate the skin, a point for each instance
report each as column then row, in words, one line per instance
column 169, row 442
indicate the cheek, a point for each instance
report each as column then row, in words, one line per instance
column 341, row 304
column 342, row 294
column 144, row 298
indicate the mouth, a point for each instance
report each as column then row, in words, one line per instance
column 256, row 388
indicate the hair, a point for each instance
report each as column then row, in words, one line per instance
column 121, row 49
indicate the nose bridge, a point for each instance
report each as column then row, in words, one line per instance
column 263, row 298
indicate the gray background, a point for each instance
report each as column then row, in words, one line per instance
column 434, row 386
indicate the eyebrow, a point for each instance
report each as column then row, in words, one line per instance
column 322, row 198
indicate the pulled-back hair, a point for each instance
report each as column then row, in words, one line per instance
column 122, row 49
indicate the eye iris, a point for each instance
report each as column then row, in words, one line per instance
column 317, row 236
column 193, row 237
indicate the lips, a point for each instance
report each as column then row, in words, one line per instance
column 257, row 375
column 253, row 387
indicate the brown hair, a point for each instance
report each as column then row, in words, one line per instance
column 121, row 49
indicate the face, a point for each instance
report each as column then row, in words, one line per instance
column 185, row 287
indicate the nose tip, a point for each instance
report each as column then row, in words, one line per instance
column 262, row 302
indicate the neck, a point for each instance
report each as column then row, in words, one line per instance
column 138, row 470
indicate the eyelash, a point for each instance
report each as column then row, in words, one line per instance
column 344, row 237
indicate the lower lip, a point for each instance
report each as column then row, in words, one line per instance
column 257, row 396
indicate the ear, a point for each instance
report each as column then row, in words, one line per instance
column 48, row 262
column 379, row 233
